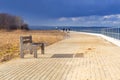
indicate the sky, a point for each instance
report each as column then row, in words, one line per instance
column 64, row 12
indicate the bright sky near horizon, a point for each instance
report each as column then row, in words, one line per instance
column 65, row 12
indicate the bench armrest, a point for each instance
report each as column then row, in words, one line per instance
column 38, row 44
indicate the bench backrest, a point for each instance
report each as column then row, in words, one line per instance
column 25, row 42
column 25, row 39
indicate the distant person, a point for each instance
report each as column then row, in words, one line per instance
column 66, row 29
column 69, row 30
column 63, row 29
column 56, row 28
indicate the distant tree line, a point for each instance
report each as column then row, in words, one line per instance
column 11, row 22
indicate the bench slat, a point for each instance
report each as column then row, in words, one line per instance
column 28, row 41
column 26, row 37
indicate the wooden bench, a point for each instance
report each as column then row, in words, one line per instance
column 27, row 44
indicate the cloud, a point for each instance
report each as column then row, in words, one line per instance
column 109, row 20
column 112, row 16
column 76, row 18
column 63, row 19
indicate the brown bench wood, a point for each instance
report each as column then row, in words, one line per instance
column 27, row 44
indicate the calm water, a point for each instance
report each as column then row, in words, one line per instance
column 111, row 32
column 73, row 28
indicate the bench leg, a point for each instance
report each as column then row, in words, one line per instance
column 30, row 50
column 21, row 54
column 35, row 53
column 42, row 48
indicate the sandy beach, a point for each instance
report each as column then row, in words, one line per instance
column 79, row 57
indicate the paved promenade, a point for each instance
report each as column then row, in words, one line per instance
column 79, row 57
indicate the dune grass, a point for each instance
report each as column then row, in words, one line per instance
column 9, row 41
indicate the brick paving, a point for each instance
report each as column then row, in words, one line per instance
column 89, row 58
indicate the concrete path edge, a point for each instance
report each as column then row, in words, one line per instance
column 110, row 39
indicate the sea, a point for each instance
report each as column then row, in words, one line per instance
column 93, row 29
column 113, row 32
